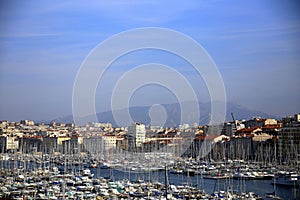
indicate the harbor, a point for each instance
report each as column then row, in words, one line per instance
column 97, row 161
column 149, row 100
column 84, row 177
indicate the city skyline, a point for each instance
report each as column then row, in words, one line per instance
column 253, row 43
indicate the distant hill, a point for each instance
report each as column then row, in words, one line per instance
column 141, row 114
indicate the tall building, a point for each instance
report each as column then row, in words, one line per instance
column 8, row 143
column 289, row 139
column 136, row 135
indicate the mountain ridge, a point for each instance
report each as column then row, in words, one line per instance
column 173, row 113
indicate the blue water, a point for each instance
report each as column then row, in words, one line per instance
column 260, row 187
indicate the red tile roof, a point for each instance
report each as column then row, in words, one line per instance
column 247, row 130
column 206, row 137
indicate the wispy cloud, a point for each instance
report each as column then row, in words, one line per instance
column 271, row 29
column 30, row 35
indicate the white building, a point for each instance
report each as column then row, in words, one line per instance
column 109, row 141
column 8, row 143
column 289, row 139
column 27, row 122
column 136, row 135
column 184, row 126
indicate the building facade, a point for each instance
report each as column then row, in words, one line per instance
column 136, row 135
column 289, row 139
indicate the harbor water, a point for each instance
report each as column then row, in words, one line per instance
column 260, row 187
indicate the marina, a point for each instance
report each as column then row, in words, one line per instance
column 84, row 177
column 65, row 161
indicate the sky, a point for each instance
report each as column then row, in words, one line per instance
column 254, row 44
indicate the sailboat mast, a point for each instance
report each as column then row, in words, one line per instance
column 166, row 180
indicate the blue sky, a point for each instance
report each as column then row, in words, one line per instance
column 255, row 45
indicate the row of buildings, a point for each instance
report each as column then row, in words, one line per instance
column 257, row 139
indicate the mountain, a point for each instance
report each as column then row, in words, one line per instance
column 141, row 114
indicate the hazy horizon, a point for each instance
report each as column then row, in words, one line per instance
column 150, row 105
column 254, row 44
